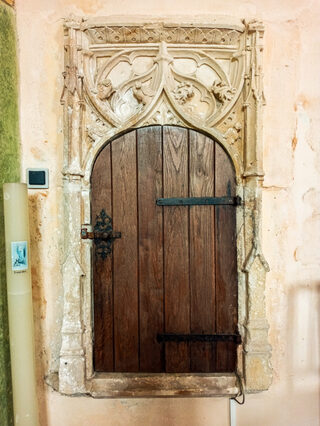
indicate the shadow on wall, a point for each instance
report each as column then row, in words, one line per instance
column 303, row 332
column 294, row 397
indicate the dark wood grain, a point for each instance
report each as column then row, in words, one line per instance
column 150, row 248
column 174, row 270
column 226, row 261
column 126, row 329
column 101, row 182
column 176, row 247
column 202, row 265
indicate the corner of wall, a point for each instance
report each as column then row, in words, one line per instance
column 9, row 172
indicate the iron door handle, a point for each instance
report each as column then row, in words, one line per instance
column 85, row 235
column 102, row 235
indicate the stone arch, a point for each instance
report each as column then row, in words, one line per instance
column 168, row 79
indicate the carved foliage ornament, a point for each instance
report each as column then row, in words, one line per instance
column 106, row 34
column 122, row 76
column 132, row 81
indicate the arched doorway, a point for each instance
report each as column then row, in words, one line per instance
column 215, row 86
column 170, row 281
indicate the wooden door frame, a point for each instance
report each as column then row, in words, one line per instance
column 96, row 110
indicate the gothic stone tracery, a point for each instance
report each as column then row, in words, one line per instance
column 122, row 76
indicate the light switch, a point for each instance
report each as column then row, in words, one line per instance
column 38, row 178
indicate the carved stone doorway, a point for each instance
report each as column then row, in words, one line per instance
column 202, row 77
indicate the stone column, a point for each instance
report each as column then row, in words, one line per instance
column 72, row 362
column 257, row 351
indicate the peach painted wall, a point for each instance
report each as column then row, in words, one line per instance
column 291, row 208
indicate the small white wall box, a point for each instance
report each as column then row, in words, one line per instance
column 38, row 178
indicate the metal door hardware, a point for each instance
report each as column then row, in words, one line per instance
column 172, row 337
column 102, row 234
column 85, row 234
column 199, row 201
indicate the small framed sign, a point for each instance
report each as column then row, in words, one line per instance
column 19, row 255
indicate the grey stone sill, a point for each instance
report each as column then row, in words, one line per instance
column 142, row 385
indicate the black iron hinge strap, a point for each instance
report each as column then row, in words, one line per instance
column 218, row 337
column 199, row 201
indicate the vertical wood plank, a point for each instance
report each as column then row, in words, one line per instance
column 101, row 198
column 226, row 262
column 150, row 248
column 125, row 254
column 165, row 258
column 202, row 265
column 176, row 247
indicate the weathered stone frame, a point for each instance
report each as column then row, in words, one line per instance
column 240, row 135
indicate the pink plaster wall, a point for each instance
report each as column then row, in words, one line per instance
column 291, row 207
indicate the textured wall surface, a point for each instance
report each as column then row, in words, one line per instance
column 9, row 172
column 291, row 206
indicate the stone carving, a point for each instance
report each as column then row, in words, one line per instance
column 141, row 76
column 105, row 90
column 135, row 75
column 222, row 91
column 163, row 114
column 183, row 92
column 139, row 93
column 73, row 21
column 71, row 83
column 159, row 32
column 233, row 134
column 97, row 128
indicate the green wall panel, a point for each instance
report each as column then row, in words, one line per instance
column 9, row 172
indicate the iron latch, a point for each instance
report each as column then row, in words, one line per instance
column 102, row 234
column 85, row 234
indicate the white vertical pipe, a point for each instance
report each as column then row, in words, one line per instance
column 232, row 412
column 20, row 304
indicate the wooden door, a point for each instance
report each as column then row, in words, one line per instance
column 174, row 269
